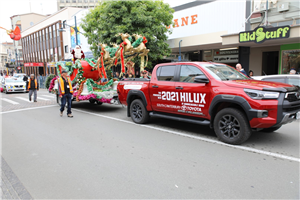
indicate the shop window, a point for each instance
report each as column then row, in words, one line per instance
column 290, row 59
column 188, row 73
column 166, row 73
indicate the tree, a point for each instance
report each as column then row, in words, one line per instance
column 148, row 18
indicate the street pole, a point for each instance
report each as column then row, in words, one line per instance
column 17, row 57
column 76, row 30
column 179, row 57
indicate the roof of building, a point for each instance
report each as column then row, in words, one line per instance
column 49, row 16
column 27, row 14
column 191, row 4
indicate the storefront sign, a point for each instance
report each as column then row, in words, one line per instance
column 227, row 52
column 260, row 34
column 227, row 59
column 33, row 64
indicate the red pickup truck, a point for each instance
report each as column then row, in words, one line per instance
column 211, row 94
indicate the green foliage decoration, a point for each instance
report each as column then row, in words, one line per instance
column 48, row 80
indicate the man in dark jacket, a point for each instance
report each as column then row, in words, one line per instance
column 33, row 87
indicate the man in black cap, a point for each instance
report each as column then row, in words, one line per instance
column 65, row 93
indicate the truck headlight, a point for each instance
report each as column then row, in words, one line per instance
column 258, row 94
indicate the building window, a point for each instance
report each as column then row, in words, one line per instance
column 74, row 1
column 62, row 1
column 92, row 1
column 67, row 1
column 290, row 60
column 79, row 1
column 86, row 1
column 66, row 49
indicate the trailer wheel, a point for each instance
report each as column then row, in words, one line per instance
column 138, row 112
column 58, row 99
column 231, row 126
column 92, row 101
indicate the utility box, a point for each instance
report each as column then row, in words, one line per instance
column 263, row 6
column 284, row 6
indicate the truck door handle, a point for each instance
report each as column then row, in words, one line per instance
column 179, row 88
column 155, row 86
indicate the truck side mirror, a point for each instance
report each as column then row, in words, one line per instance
column 201, row 79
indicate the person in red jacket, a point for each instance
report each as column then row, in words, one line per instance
column 77, row 53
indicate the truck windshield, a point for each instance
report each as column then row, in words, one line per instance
column 224, row 72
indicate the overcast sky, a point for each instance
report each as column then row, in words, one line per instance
column 9, row 8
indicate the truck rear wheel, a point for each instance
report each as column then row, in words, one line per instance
column 138, row 112
column 231, row 126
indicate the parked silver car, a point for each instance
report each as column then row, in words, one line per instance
column 282, row 78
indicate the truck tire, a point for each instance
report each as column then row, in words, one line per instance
column 138, row 112
column 270, row 130
column 231, row 126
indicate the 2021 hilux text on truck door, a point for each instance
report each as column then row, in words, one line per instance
column 211, row 94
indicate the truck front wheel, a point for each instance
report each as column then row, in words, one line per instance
column 231, row 126
column 138, row 112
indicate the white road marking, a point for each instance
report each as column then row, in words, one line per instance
column 277, row 155
column 34, row 108
column 49, row 96
column 25, row 99
column 9, row 101
column 43, row 99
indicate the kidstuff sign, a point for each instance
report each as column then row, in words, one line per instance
column 261, row 34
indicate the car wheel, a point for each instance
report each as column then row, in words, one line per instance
column 138, row 112
column 231, row 126
column 270, row 130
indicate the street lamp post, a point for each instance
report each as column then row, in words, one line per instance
column 16, row 50
column 75, row 29
column 179, row 57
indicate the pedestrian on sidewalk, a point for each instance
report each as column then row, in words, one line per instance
column 65, row 93
column 33, row 87
column 240, row 68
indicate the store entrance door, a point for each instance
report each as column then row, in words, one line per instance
column 270, row 62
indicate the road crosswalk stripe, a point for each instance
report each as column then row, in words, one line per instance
column 49, row 96
column 24, row 99
column 9, row 101
column 43, row 99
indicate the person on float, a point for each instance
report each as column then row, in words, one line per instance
column 33, row 87
column 77, row 53
column 240, row 69
column 65, row 93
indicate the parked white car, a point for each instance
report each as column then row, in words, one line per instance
column 13, row 84
column 282, row 78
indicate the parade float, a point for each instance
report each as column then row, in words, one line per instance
column 89, row 77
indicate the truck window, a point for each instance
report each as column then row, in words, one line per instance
column 166, row 73
column 188, row 73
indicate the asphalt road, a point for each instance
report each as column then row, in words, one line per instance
column 101, row 154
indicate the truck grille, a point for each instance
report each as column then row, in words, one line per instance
column 292, row 96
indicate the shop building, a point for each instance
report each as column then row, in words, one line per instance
column 23, row 21
column 211, row 31
column 42, row 43
column 76, row 3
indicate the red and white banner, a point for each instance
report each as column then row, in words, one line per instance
column 33, row 64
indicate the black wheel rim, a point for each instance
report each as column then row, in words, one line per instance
column 137, row 112
column 229, row 126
